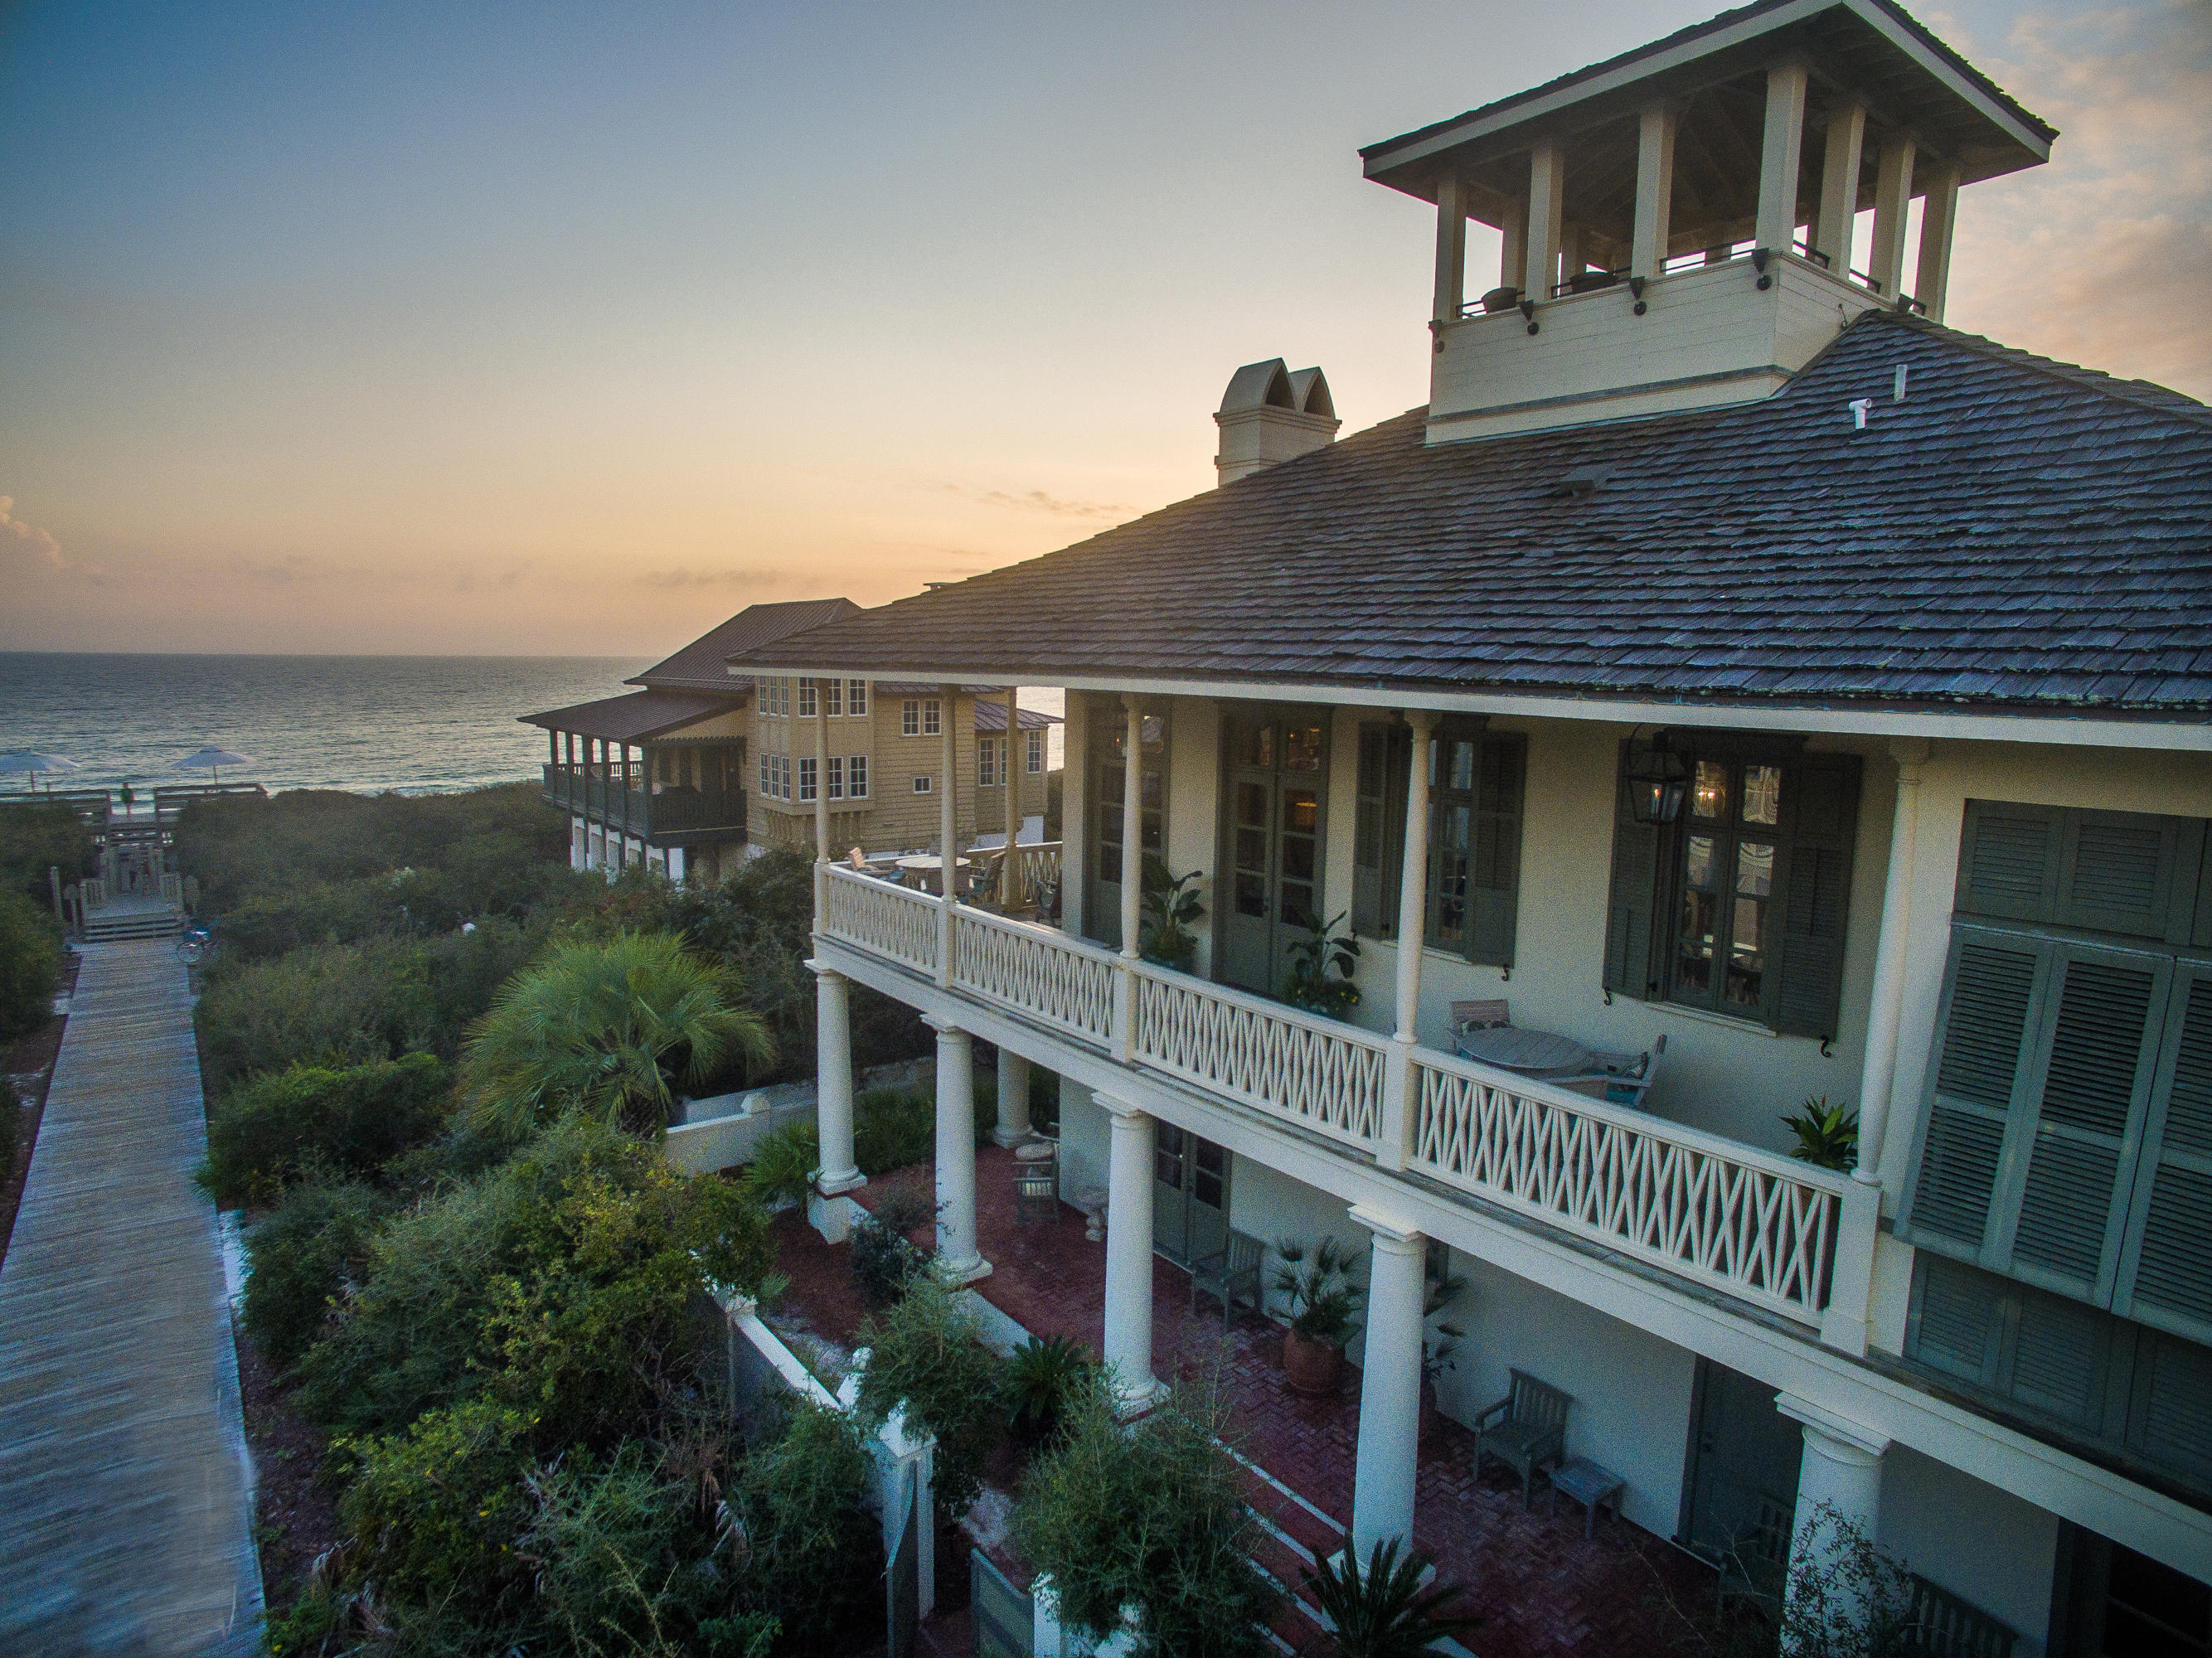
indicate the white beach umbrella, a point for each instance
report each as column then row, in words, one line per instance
column 213, row 759
column 30, row 760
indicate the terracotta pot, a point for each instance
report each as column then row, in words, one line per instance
column 1310, row 1366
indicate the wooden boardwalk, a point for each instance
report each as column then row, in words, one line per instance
column 125, row 1522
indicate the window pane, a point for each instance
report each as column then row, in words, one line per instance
column 1109, row 863
column 1459, row 774
column 1301, row 748
column 1252, row 805
column 1700, row 915
column 1254, row 743
column 1747, row 963
column 1297, row 904
column 1299, row 857
column 1301, row 812
column 1454, row 824
column 1709, row 797
column 1152, row 783
column 1252, row 893
column 1252, row 850
column 1109, row 825
column 1148, row 829
column 1697, row 867
column 1762, row 794
column 1755, row 869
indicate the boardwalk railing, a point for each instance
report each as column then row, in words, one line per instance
column 1779, row 1234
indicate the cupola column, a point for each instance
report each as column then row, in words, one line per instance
column 1451, row 248
column 1655, row 190
column 1779, row 151
column 1892, row 199
column 1513, row 236
column 1839, row 184
column 1939, row 214
column 1547, row 185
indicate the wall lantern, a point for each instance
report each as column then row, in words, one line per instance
column 1658, row 778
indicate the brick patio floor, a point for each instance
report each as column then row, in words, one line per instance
column 1541, row 1589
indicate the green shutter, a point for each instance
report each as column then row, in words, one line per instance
column 1955, row 1325
column 1820, row 807
column 2170, row 1417
column 2009, row 860
column 1633, row 906
column 2060, row 1352
column 2100, row 1051
column 2116, row 871
column 1494, row 884
column 1990, row 988
column 2166, row 1271
column 1378, row 845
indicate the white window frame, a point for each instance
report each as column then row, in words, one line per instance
column 833, row 698
column 767, row 775
column 806, row 703
column 922, row 783
column 857, row 778
column 933, row 717
column 856, row 697
column 986, row 762
column 836, row 778
column 806, row 774
column 910, row 717
column 1034, row 744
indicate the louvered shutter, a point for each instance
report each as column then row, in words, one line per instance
column 2097, row 1059
column 1820, row 801
column 1378, row 841
column 2171, row 1418
column 2009, row 860
column 1992, row 988
column 1494, row 887
column 2166, row 1271
column 1956, row 1326
column 2117, row 870
column 1631, row 907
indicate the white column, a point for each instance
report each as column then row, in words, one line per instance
column 1389, row 1388
column 1841, row 1471
column 833, row 1069
column 1451, row 249
column 1133, row 822
column 1839, row 184
column 1010, row 867
column 1547, row 185
column 1939, row 214
column 1892, row 199
column 1412, row 927
column 1885, row 1003
column 1013, row 1099
column 1780, row 147
column 948, row 820
column 1513, row 249
column 1655, row 190
column 1129, row 1333
column 1573, row 252
column 956, row 1156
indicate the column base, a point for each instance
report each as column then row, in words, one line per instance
column 1008, row 1137
column 1132, row 1402
column 972, row 1271
column 830, row 1185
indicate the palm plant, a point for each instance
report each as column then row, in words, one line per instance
column 607, row 1027
column 1170, row 905
column 1322, row 964
column 1382, row 1612
column 1044, row 1378
column 1316, row 1281
column 1827, row 1135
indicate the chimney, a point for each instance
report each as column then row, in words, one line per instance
column 1270, row 414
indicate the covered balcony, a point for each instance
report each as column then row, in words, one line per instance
column 648, row 772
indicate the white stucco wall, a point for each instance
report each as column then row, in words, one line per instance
column 1980, row 1542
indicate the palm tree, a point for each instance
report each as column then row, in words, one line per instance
column 606, row 1026
column 1383, row 1613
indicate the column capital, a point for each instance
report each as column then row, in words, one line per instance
column 1910, row 753
column 1120, row 1110
column 945, row 1027
column 827, row 975
column 1392, row 1234
column 1838, row 1437
column 1423, row 720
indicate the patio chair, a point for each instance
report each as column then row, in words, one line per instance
column 1036, row 1182
column 981, row 878
column 1525, row 1430
column 1230, row 1270
column 1493, row 1015
column 1755, row 1566
column 1621, row 1079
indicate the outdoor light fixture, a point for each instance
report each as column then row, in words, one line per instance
column 1759, row 257
column 1658, row 779
column 1636, row 288
column 1529, row 310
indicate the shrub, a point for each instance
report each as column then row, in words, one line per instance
column 439, row 1506
column 893, row 1128
column 36, row 836
column 884, row 1260
column 30, row 964
column 783, row 1164
column 302, row 1253
column 351, row 1121
column 1319, row 1290
column 1382, row 1611
column 1044, row 1380
column 1152, row 1515
column 11, row 1128
column 811, row 1548
column 926, row 1352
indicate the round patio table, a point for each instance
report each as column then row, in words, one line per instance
column 1534, row 1053
column 925, row 863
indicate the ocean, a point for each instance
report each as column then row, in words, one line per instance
column 413, row 724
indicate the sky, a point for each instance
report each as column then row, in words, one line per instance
column 546, row 329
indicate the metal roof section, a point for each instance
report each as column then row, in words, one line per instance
column 637, row 718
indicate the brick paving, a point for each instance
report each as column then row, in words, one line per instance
column 1542, row 1590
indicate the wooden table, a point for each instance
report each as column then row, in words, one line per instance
column 1533, row 1053
column 1590, row 1485
column 912, row 869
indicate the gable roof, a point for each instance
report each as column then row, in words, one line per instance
column 633, row 719
column 703, row 664
column 2014, row 536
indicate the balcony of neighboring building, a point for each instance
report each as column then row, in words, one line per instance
column 661, row 769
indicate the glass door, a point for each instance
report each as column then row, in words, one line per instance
column 1743, row 1480
column 1190, row 1194
column 1102, row 903
column 1274, row 780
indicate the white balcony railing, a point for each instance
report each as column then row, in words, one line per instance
column 1777, row 1232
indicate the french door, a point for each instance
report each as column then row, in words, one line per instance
column 1274, row 780
column 1108, row 859
column 1190, row 1194
column 1744, row 1455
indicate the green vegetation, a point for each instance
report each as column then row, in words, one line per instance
column 303, row 1251
column 39, row 835
column 924, row 1351
column 1044, row 1380
column 1826, row 1135
column 349, row 1121
column 884, row 1261
column 1150, row 1515
column 1382, row 1611
column 30, row 963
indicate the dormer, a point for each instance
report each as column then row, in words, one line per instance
column 1678, row 223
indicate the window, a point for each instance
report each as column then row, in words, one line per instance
column 767, row 783
column 833, row 697
column 806, row 770
column 1738, row 906
column 1107, row 729
column 836, row 778
column 921, row 784
column 857, row 770
column 932, row 719
column 1034, row 741
column 806, row 703
column 910, row 717
column 856, row 697
column 2067, row 1134
column 1472, row 885
column 986, row 762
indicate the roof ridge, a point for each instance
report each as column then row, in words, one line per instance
column 2143, row 394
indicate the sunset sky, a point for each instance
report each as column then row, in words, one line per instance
column 547, row 330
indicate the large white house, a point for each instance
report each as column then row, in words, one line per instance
column 1765, row 693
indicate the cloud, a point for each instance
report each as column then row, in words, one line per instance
column 1037, row 500
column 39, row 545
column 683, row 577
column 2099, row 258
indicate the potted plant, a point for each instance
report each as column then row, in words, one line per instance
column 1383, row 1611
column 1321, row 968
column 1316, row 1282
column 1170, row 905
column 1827, row 1135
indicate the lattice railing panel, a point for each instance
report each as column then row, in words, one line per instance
column 1314, row 1072
column 1034, row 971
column 1751, row 1225
column 875, row 915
